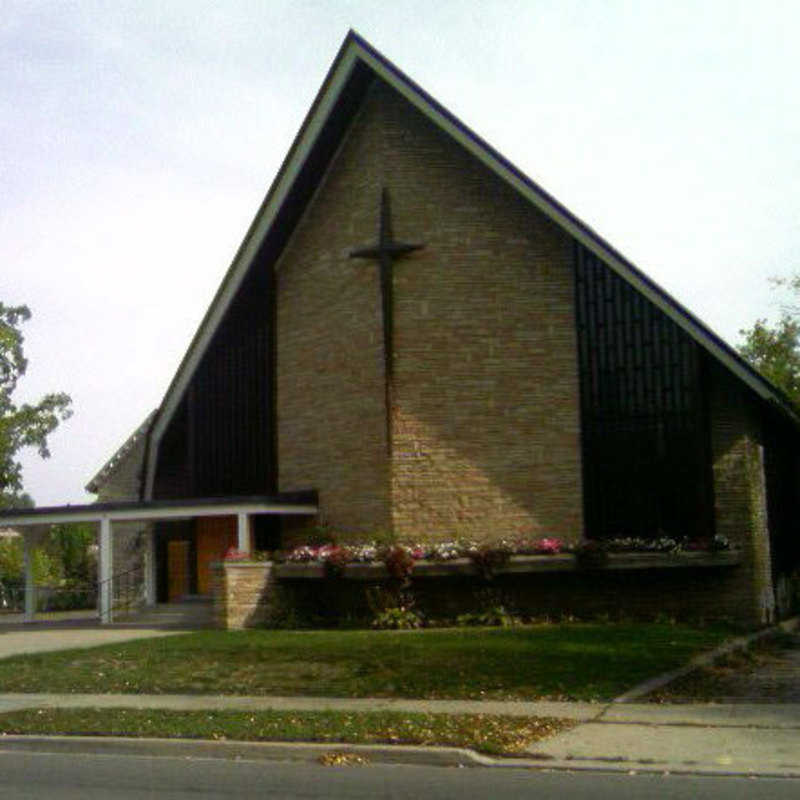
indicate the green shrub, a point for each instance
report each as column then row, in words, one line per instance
column 494, row 616
column 489, row 557
column 397, row 618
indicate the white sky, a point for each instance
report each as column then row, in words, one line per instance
column 138, row 139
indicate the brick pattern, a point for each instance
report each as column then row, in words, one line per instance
column 242, row 594
column 330, row 407
column 740, row 498
column 684, row 594
column 247, row 596
column 485, row 421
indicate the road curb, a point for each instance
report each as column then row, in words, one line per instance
column 653, row 768
column 235, row 751
column 371, row 754
column 705, row 659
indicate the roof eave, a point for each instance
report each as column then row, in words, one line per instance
column 354, row 49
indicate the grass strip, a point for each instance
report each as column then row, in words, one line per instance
column 573, row 661
column 495, row 735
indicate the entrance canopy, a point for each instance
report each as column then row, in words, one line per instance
column 160, row 510
column 106, row 514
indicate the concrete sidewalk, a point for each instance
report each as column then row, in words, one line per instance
column 741, row 739
column 580, row 712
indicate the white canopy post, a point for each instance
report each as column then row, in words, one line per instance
column 243, row 531
column 105, row 569
column 30, row 583
column 150, row 566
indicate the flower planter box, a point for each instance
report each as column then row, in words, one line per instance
column 556, row 563
column 563, row 562
column 372, row 571
column 723, row 558
column 310, row 569
column 376, row 570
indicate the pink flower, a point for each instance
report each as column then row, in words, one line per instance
column 549, row 546
column 233, row 554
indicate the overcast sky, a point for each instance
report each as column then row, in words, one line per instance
column 138, row 139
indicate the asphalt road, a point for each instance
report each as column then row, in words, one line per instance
column 35, row 776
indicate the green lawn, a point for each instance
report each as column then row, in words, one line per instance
column 497, row 735
column 569, row 661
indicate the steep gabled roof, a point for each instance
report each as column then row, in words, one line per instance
column 356, row 66
column 107, row 471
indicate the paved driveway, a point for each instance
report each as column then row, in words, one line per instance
column 773, row 675
column 767, row 673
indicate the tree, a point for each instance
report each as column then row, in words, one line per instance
column 70, row 545
column 46, row 569
column 775, row 352
column 26, row 425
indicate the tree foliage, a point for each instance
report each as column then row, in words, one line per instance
column 25, row 425
column 70, row 545
column 46, row 569
column 774, row 350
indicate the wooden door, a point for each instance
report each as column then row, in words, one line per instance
column 178, row 568
column 214, row 536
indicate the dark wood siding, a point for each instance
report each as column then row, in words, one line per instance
column 220, row 441
column 645, row 433
column 173, row 478
column 782, row 472
column 225, row 442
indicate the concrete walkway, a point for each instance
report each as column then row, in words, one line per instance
column 41, row 638
column 710, row 738
column 67, row 630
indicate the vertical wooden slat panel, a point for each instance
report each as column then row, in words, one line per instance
column 221, row 443
column 644, row 418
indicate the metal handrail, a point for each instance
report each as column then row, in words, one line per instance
column 125, row 588
column 126, row 593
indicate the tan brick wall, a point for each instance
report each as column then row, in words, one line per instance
column 242, row 594
column 248, row 595
column 485, row 414
column 330, row 409
column 740, row 498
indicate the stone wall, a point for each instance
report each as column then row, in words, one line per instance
column 740, row 497
column 485, row 418
column 123, row 484
column 123, row 481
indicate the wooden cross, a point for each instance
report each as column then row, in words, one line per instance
column 385, row 252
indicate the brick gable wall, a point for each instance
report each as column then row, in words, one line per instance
column 485, row 423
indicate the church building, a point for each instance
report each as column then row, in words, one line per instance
column 416, row 339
